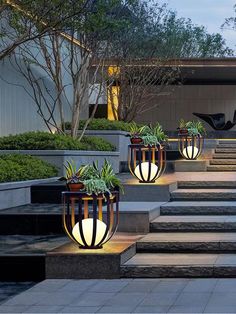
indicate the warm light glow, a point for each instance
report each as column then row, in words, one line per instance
column 190, row 152
column 144, row 170
column 87, row 226
column 112, row 102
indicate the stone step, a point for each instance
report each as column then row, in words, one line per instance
column 226, row 145
column 43, row 219
column 204, row 194
column 191, row 242
column 150, row 265
column 223, row 162
column 198, row 208
column 22, row 257
column 133, row 191
column 225, row 150
column 224, row 156
column 206, row 184
column 193, row 223
column 230, row 141
column 221, row 168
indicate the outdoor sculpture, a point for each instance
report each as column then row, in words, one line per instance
column 217, row 120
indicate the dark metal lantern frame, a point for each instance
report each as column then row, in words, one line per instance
column 78, row 206
column 138, row 154
column 186, row 141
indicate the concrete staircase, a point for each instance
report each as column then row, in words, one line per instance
column 224, row 158
column 194, row 236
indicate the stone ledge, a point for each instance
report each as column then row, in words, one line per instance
column 70, row 262
column 190, row 165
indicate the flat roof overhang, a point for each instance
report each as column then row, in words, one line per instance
column 193, row 71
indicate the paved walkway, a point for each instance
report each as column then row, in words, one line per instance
column 126, row 296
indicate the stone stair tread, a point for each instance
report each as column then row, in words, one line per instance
column 226, row 145
column 221, row 168
column 199, row 208
column 223, row 162
column 225, row 150
column 181, row 259
column 199, row 204
column 193, row 218
column 201, row 190
column 224, row 156
column 173, row 237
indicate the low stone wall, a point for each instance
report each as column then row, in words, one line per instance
column 14, row 194
column 118, row 138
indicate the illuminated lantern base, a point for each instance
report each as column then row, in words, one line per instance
column 147, row 163
column 145, row 170
column 87, row 226
column 190, row 147
column 190, row 152
column 90, row 220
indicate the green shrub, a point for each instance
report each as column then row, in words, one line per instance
column 45, row 140
column 16, row 167
column 103, row 124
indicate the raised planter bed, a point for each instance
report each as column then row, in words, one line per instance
column 59, row 157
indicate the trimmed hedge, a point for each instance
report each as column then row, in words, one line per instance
column 103, row 124
column 16, row 167
column 45, row 140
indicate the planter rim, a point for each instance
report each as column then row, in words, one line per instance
column 26, row 183
column 63, row 152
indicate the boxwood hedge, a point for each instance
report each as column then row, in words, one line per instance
column 16, row 167
column 45, row 140
column 103, row 124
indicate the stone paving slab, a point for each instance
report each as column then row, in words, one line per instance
column 128, row 296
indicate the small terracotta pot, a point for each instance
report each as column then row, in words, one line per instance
column 136, row 140
column 75, row 187
column 183, row 131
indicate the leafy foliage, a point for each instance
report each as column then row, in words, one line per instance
column 45, row 140
column 193, row 127
column 16, row 167
column 96, row 186
column 103, row 124
column 154, row 30
column 153, row 135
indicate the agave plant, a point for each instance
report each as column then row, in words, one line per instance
column 136, row 130
column 108, row 176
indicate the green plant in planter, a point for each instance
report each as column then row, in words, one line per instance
column 182, row 124
column 96, row 186
column 108, row 176
column 192, row 128
column 197, row 125
column 136, row 131
column 153, row 135
column 94, row 180
column 74, row 175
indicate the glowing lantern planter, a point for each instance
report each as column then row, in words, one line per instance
column 85, row 221
column 190, row 147
column 147, row 163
